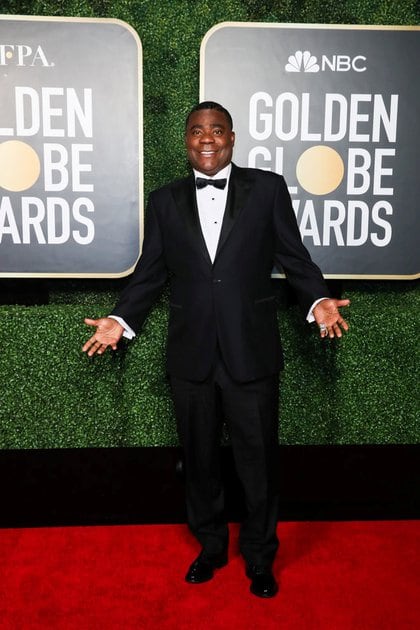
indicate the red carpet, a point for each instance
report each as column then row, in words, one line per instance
column 338, row 576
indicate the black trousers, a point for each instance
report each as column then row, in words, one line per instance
column 251, row 413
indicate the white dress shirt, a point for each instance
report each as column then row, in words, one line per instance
column 211, row 204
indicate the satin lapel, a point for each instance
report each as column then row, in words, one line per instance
column 240, row 185
column 186, row 203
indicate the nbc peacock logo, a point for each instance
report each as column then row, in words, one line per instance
column 302, row 61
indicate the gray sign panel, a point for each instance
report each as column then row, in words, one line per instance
column 71, row 168
column 334, row 109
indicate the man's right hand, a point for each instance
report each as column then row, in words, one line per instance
column 108, row 333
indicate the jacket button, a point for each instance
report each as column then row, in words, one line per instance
column 216, row 280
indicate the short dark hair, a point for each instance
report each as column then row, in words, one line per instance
column 210, row 105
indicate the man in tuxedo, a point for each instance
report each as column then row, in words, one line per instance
column 216, row 235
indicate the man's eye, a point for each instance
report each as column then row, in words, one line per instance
column 218, row 132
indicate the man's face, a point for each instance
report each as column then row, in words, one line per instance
column 209, row 141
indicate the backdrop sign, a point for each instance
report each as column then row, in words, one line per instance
column 70, row 147
column 334, row 109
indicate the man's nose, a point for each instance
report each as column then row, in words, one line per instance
column 207, row 138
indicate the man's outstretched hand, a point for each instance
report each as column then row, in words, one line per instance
column 108, row 333
column 329, row 318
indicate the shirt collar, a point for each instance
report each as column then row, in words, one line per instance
column 224, row 173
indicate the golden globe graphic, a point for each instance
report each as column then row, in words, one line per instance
column 19, row 165
column 320, row 170
column 338, row 119
column 71, row 99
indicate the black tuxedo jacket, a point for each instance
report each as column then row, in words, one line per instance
column 229, row 302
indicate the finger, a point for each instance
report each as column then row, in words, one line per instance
column 344, row 324
column 323, row 329
column 341, row 322
column 93, row 348
column 96, row 349
column 342, row 302
column 91, row 322
column 88, row 344
column 102, row 347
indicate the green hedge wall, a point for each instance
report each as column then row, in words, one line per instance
column 361, row 389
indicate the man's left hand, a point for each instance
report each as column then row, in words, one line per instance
column 329, row 318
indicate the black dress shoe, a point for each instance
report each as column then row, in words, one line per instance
column 263, row 583
column 202, row 569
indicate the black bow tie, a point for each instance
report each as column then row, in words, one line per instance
column 202, row 182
